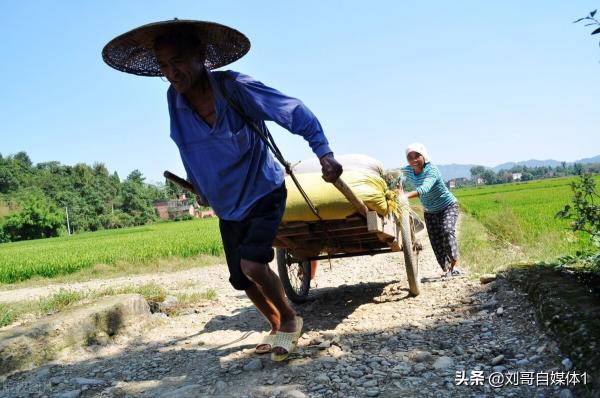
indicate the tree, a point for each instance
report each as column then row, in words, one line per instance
column 8, row 177
column 173, row 190
column 526, row 176
column 489, row 177
column 37, row 219
column 590, row 21
column 136, row 201
column 477, row 171
column 95, row 198
column 585, row 209
column 504, row 177
column 23, row 159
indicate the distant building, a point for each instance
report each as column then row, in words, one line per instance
column 205, row 213
column 457, row 182
column 517, row 176
column 171, row 209
column 479, row 181
column 162, row 209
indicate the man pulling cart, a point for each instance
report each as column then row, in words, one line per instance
column 214, row 121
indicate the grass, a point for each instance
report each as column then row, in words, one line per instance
column 120, row 269
column 95, row 254
column 7, row 314
column 31, row 309
column 150, row 291
column 515, row 223
column 480, row 252
column 196, row 297
column 59, row 301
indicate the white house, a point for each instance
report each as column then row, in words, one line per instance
column 517, row 176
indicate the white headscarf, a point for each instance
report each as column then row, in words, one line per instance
column 420, row 148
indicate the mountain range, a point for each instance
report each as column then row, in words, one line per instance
column 450, row 171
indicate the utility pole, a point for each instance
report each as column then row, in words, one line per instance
column 68, row 226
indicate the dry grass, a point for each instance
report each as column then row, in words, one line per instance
column 481, row 252
column 33, row 309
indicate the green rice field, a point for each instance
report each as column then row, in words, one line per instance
column 521, row 215
column 59, row 256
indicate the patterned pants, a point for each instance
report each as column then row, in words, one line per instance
column 441, row 228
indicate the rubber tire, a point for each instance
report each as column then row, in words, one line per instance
column 297, row 297
column 410, row 256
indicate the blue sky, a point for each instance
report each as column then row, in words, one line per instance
column 477, row 82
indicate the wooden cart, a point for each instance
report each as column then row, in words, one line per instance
column 364, row 233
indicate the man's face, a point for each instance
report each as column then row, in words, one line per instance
column 416, row 161
column 181, row 67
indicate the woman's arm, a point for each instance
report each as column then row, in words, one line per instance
column 425, row 185
column 408, row 195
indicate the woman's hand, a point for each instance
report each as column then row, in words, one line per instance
column 412, row 194
column 402, row 197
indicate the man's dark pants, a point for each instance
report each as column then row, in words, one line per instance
column 252, row 238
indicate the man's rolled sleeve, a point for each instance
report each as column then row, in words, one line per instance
column 322, row 150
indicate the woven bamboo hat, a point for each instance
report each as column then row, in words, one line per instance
column 133, row 52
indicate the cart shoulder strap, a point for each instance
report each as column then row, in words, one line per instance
column 267, row 138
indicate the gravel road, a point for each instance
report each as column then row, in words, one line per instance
column 363, row 337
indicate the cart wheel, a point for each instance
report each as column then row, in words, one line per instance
column 411, row 254
column 294, row 275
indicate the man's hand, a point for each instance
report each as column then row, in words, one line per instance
column 330, row 167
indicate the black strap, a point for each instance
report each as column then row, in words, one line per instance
column 269, row 142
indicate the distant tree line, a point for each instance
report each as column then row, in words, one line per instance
column 489, row 176
column 35, row 198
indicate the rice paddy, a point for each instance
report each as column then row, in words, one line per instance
column 522, row 217
column 64, row 255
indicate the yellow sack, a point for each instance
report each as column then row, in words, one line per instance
column 330, row 202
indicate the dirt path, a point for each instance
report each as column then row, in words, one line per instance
column 171, row 281
column 363, row 337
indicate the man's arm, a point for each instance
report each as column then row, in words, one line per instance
column 265, row 103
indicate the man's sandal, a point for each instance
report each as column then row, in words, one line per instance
column 287, row 341
column 266, row 345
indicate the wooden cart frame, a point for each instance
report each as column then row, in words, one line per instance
column 365, row 233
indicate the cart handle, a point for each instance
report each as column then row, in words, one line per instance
column 179, row 181
column 351, row 196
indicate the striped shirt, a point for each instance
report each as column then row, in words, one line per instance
column 433, row 193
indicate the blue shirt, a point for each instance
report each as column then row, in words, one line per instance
column 228, row 164
column 431, row 188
